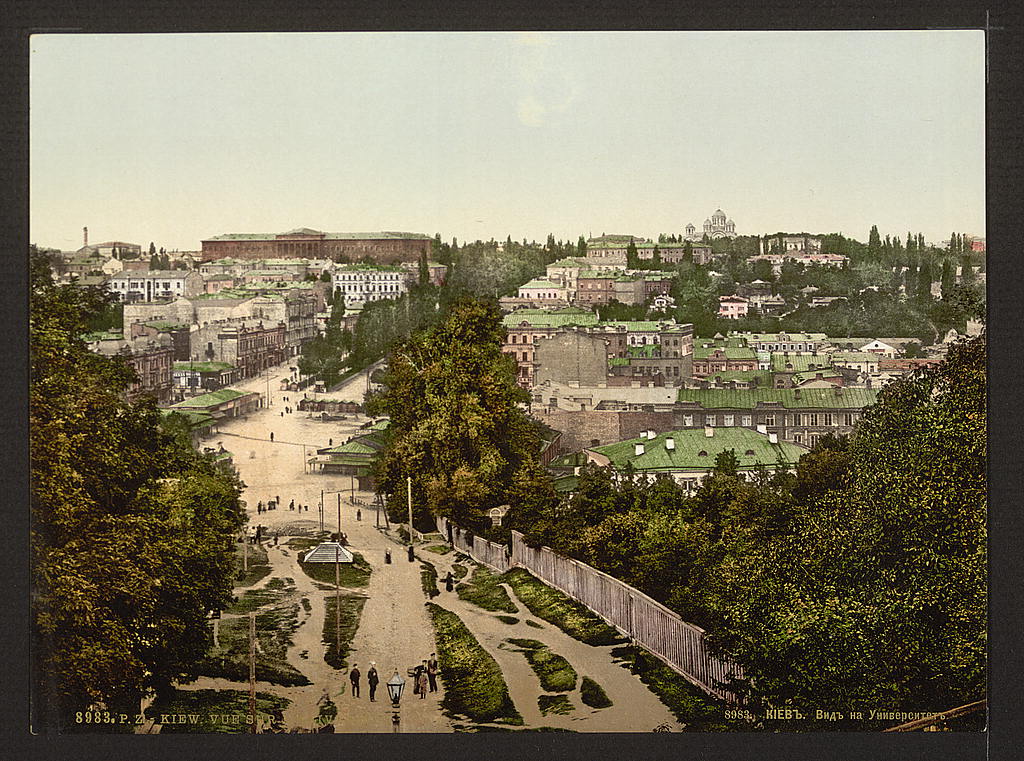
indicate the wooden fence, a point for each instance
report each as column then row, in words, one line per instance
column 679, row 643
column 649, row 623
column 482, row 551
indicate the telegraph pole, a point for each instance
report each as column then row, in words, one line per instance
column 252, row 668
column 337, row 587
column 408, row 483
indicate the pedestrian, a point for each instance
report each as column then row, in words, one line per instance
column 412, row 554
column 277, row 499
column 449, row 582
column 282, row 414
column 416, row 680
column 432, row 672
column 371, row 680
column 387, row 557
column 330, row 442
column 271, row 435
column 359, row 514
column 291, row 505
column 259, row 508
column 421, row 681
column 353, row 676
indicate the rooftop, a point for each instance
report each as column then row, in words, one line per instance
column 799, row 363
column 729, row 352
column 691, row 443
column 203, row 367
column 385, row 235
column 540, row 283
column 814, row 398
column 211, row 399
column 549, row 318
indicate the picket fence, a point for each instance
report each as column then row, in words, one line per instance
column 649, row 623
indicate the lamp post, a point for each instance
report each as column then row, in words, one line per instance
column 395, row 686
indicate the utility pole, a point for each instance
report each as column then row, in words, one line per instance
column 337, row 587
column 321, row 511
column 245, row 553
column 252, row 669
column 408, row 483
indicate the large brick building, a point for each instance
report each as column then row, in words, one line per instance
column 304, row 243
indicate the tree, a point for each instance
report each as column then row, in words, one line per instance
column 132, row 530
column 456, row 426
column 424, row 270
column 879, row 593
column 581, row 246
column 874, row 241
column 632, row 257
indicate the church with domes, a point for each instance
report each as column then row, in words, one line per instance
column 718, row 226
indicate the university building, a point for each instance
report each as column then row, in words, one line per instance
column 304, row 243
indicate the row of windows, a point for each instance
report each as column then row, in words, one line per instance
column 811, row 419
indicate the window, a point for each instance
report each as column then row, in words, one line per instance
column 828, row 418
column 728, row 422
column 814, row 418
column 798, row 438
column 769, row 419
column 688, row 421
column 515, row 339
column 709, row 420
column 797, row 419
column 747, row 420
column 848, row 419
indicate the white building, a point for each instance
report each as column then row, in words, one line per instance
column 718, row 226
column 540, row 289
column 367, row 282
column 148, row 285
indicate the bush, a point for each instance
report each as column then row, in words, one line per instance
column 351, row 610
column 558, row 704
column 552, row 606
column 428, row 578
column 259, row 566
column 484, row 591
column 274, row 630
column 508, row 619
column 556, row 674
column 593, row 694
column 473, row 683
column 354, row 574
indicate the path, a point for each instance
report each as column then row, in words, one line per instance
column 634, row 707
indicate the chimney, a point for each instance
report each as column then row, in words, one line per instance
column 839, row 390
column 638, row 449
column 773, row 438
column 85, row 236
column 643, row 434
column 651, row 434
column 796, row 393
column 709, row 431
column 670, row 443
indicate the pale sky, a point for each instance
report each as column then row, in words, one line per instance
column 176, row 138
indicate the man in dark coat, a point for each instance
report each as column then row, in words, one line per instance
column 449, row 582
column 353, row 677
column 432, row 672
column 372, row 680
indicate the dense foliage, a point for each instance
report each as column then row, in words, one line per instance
column 132, row 530
column 857, row 582
column 456, row 426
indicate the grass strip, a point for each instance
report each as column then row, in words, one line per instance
column 214, row 711
column 484, row 591
column 440, row 549
column 508, row 619
column 354, row 574
column 258, row 564
column 572, row 617
column 351, row 610
column 257, row 598
column 473, row 683
column 274, row 629
column 698, row 711
column 557, row 704
column 593, row 695
column 459, row 571
column 556, row 674
column 428, row 579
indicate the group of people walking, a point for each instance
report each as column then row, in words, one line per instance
column 424, row 678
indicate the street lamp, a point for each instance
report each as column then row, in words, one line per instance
column 395, row 686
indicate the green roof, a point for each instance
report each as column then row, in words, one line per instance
column 618, row 361
column 356, row 446
column 567, row 262
column 813, row 398
column 104, row 335
column 549, row 318
column 165, row 325
column 203, row 367
column 689, row 443
column 800, row 362
column 368, row 268
column 329, row 236
column 854, row 356
column 730, row 352
column 211, row 399
column 540, row 283
column 599, row 275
